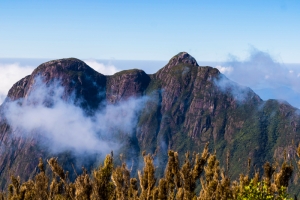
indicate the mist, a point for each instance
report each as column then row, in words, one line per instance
column 10, row 73
column 268, row 77
column 60, row 125
column 240, row 93
column 108, row 69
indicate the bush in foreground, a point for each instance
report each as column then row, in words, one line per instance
column 178, row 183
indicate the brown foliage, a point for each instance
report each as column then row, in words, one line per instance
column 179, row 182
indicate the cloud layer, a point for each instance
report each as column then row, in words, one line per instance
column 9, row 75
column 101, row 68
column 60, row 125
column 266, row 76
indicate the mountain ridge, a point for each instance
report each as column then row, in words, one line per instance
column 189, row 107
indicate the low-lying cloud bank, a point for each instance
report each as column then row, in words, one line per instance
column 60, row 125
column 9, row 75
column 108, row 69
column 266, row 76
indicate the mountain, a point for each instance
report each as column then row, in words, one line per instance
column 185, row 106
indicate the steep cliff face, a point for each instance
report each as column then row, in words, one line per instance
column 190, row 110
column 74, row 75
column 126, row 84
column 187, row 106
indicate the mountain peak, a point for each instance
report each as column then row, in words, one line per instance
column 72, row 64
column 182, row 57
column 74, row 75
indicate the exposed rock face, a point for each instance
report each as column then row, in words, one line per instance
column 186, row 110
column 180, row 58
column 126, row 84
column 73, row 74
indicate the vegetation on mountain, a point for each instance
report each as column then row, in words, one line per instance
column 200, row 177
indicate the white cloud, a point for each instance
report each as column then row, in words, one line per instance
column 224, row 70
column 9, row 75
column 64, row 126
column 239, row 93
column 101, row 68
column 261, row 71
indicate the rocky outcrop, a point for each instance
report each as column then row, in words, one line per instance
column 180, row 58
column 126, row 84
column 186, row 109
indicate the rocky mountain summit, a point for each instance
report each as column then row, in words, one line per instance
column 188, row 105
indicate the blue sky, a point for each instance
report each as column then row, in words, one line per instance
column 149, row 30
column 252, row 38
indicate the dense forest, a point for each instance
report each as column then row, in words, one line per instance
column 199, row 177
